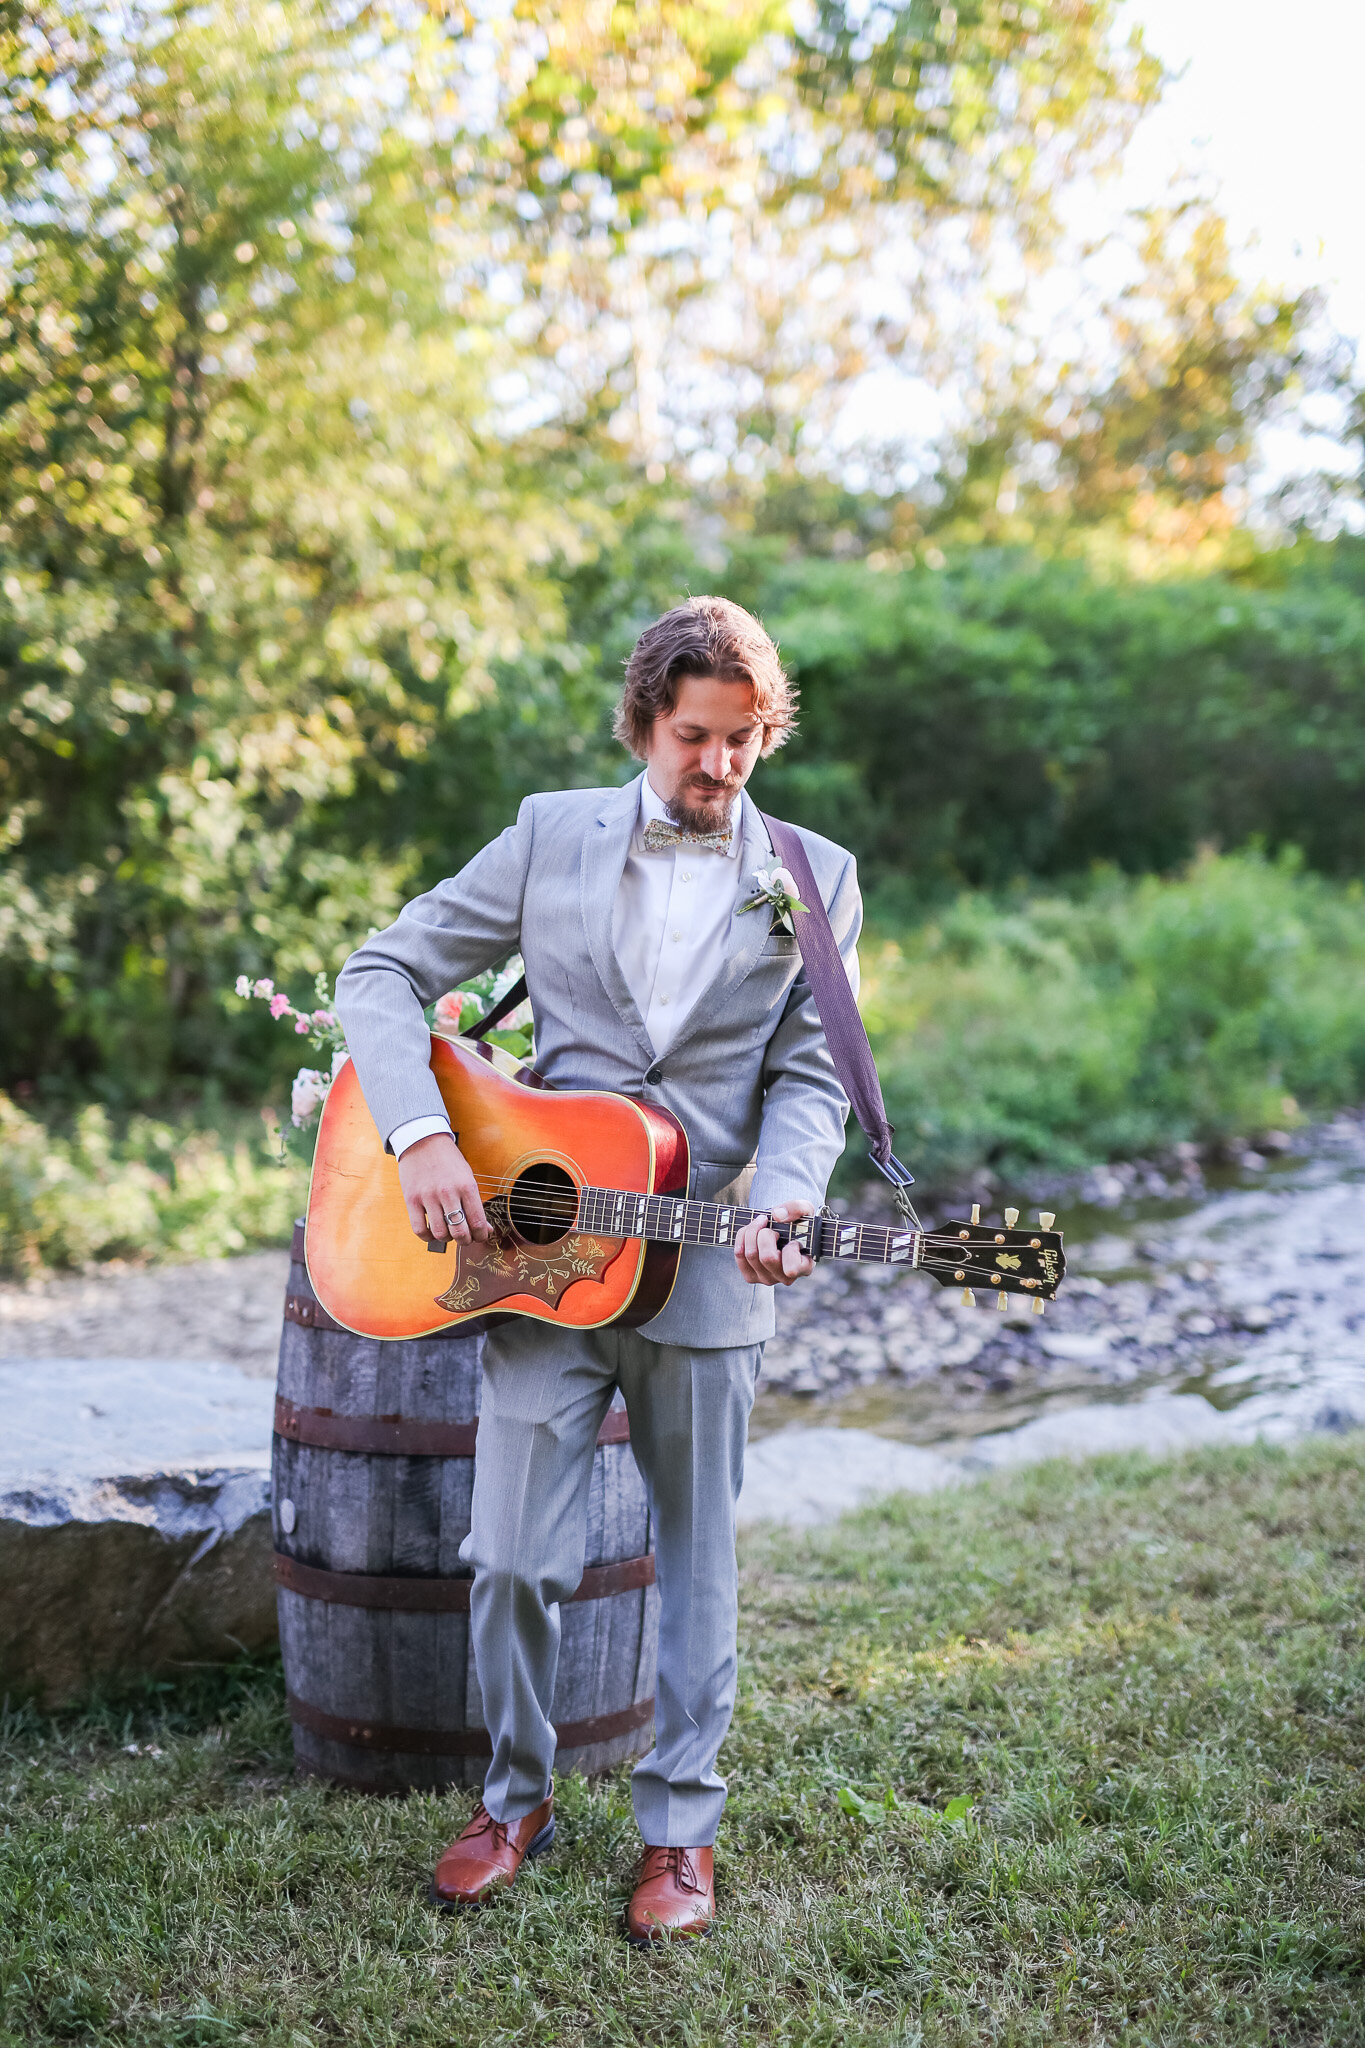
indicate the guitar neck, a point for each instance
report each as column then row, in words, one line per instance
column 673, row 1219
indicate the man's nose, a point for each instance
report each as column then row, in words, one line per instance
column 715, row 760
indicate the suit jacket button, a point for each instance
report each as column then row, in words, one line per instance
column 654, row 1076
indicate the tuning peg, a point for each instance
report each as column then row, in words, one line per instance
column 968, row 1298
column 976, row 1212
column 1038, row 1305
column 1011, row 1218
column 1047, row 1218
column 1002, row 1302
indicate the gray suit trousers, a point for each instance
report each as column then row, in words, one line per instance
column 545, row 1393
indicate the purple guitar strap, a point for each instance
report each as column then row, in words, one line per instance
column 838, row 1010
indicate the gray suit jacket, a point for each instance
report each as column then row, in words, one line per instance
column 749, row 1077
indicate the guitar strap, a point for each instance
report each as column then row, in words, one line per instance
column 838, row 1011
column 503, row 1007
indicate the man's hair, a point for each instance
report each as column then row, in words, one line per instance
column 707, row 636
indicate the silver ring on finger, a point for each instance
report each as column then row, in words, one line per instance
column 454, row 1215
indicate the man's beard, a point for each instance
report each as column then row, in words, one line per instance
column 707, row 812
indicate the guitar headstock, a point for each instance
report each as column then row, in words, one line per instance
column 1001, row 1258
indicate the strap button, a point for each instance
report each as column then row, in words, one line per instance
column 654, row 1076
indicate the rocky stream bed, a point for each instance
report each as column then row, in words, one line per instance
column 1234, row 1279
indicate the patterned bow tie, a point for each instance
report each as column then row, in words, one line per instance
column 661, row 834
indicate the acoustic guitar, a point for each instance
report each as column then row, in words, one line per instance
column 586, row 1196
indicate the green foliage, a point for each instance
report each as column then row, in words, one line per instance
column 1152, row 462
column 258, row 546
column 190, row 1190
column 1117, row 1020
column 1008, row 716
column 1108, row 1716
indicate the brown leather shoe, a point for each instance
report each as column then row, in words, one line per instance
column 488, row 1855
column 674, row 1894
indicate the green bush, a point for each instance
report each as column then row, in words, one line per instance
column 1119, row 1019
column 153, row 1190
column 997, row 719
column 1008, row 717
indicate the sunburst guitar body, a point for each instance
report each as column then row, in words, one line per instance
column 535, row 1153
column 586, row 1196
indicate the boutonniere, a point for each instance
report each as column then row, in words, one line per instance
column 775, row 887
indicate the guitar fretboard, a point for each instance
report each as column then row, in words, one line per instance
column 673, row 1219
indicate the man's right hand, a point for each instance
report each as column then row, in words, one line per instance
column 441, row 1193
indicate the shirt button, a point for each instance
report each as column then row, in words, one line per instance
column 676, row 937
column 686, row 875
column 663, row 1002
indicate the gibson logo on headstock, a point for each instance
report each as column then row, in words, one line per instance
column 1008, row 1261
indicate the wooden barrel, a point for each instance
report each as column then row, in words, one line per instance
column 373, row 1473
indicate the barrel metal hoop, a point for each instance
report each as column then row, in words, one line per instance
column 357, row 1733
column 439, row 1596
column 401, row 1436
column 308, row 1312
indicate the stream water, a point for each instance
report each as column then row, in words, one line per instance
column 1240, row 1289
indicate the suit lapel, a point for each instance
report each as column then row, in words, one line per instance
column 747, row 934
column 604, row 858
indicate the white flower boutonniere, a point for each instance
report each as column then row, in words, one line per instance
column 775, row 887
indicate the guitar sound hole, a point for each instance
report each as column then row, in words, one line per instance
column 543, row 1204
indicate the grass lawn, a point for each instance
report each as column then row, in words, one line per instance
column 1075, row 1756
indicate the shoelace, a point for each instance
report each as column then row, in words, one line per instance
column 483, row 1823
column 676, row 1863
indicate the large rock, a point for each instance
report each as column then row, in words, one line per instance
column 134, row 1520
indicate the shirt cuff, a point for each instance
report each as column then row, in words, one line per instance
column 417, row 1127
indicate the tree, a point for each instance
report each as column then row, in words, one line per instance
column 1145, row 429
column 259, row 538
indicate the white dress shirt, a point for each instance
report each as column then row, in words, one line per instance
column 668, row 929
column 672, row 913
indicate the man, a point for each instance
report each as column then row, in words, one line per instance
column 645, row 978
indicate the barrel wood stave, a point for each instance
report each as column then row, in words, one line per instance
column 360, row 1678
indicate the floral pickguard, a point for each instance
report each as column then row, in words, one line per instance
column 488, row 1273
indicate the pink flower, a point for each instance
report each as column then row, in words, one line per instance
column 306, row 1095
column 264, row 989
column 302, row 1027
column 447, row 1012
column 279, row 1003
column 243, row 985
column 323, row 1019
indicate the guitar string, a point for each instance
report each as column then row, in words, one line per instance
column 565, row 1202
column 935, row 1254
column 554, row 1206
column 553, row 1203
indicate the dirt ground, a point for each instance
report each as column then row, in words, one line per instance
column 227, row 1309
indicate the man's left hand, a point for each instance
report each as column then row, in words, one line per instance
column 759, row 1256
